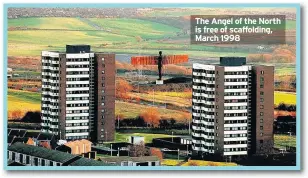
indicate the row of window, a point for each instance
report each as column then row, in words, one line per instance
column 203, row 91
column 234, row 135
column 235, row 128
column 234, row 149
column 78, row 79
column 235, row 114
column 76, row 98
column 77, row 131
column 235, row 86
column 30, row 160
column 77, row 59
column 77, row 105
column 235, row 107
column 235, row 93
column 77, row 66
column 203, row 112
column 77, row 72
column 201, row 118
column 76, row 137
column 235, row 121
column 234, row 142
column 77, row 111
column 77, row 118
column 204, row 78
column 198, row 85
column 236, row 79
column 76, row 124
column 204, row 71
column 236, row 101
column 78, row 92
column 77, row 85
column 237, row 73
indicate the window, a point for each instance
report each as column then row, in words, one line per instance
column 261, row 86
column 261, row 127
column 261, row 113
column 261, row 134
column 262, row 72
column 262, row 79
column 261, row 99
column 217, row 107
column 261, row 106
column 261, row 120
column 261, row 93
column 103, row 59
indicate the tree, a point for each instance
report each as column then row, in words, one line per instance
column 138, row 150
column 151, row 116
column 16, row 114
column 156, row 152
column 32, row 117
column 122, row 88
column 172, row 122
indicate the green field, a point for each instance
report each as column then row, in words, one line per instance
column 284, row 97
column 64, row 23
column 132, row 110
column 23, row 100
column 119, row 35
column 136, row 27
column 281, row 141
column 180, row 99
column 123, row 137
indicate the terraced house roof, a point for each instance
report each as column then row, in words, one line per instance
column 118, row 160
column 41, row 152
column 89, row 162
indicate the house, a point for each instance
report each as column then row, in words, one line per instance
column 38, row 156
column 17, row 132
column 78, row 147
column 47, row 140
column 132, row 161
column 89, row 162
column 136, row 140
column 14, row 139
column 29, row 155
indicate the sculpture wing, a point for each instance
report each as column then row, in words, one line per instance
column 152, row 60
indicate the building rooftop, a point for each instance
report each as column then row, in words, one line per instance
column 119, row 159
column 89, row 162
column 79, row 48
column 41, row 152
column 232, row 61
column 17, row 132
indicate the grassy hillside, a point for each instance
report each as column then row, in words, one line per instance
column 131, row 110
column 123, row 137
column 120, row 35
column 23, row 101
column 136, row 27
column 281, row 141
column 50, row 23
column 285, row 97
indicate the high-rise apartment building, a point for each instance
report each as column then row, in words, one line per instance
column 233, row 108
column 78, row 94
